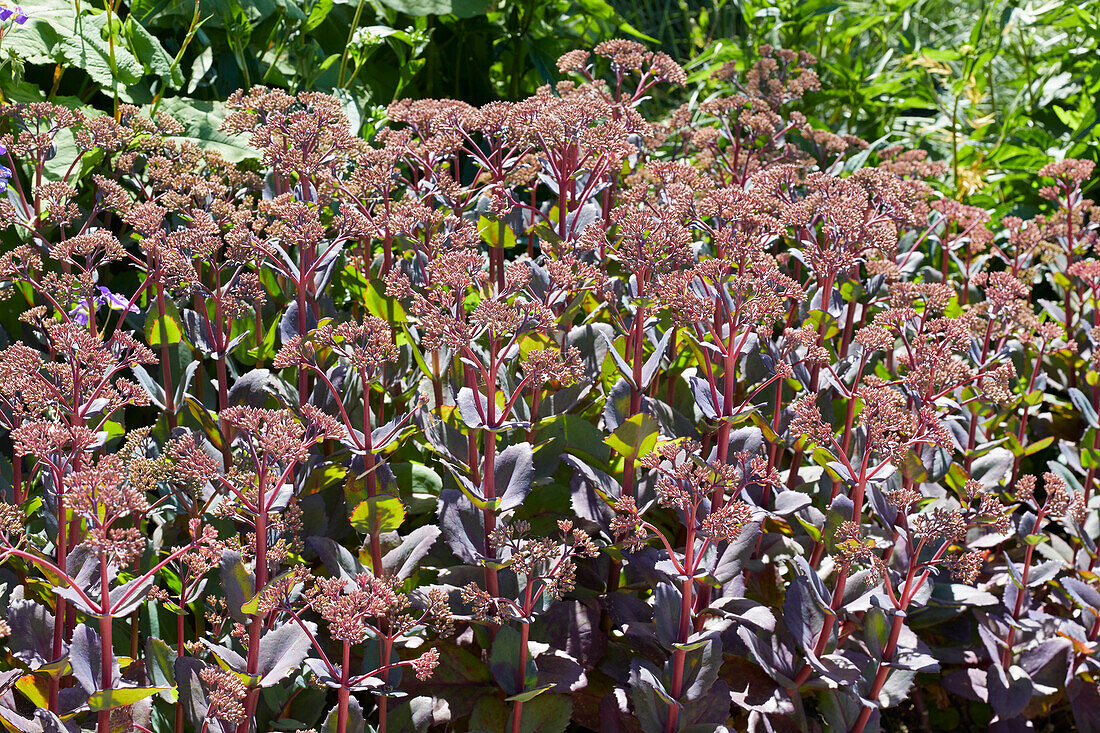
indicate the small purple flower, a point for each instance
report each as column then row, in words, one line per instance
column 114, row 301
column 5, row 12
column 20, row 16
column 5, row 175
column 79, row 314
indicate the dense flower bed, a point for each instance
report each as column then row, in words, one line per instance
column 541, row 414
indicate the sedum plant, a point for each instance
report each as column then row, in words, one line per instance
column 543, row 415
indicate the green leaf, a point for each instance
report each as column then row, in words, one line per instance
column 267, row 345
column 635, row 437
column 61, row 165
column 765, row 427
column 527, row 695
column 152, row 55
column 1038, row 445
column 160, row 663
column 201, row 121
column 113, row 429
column 811, row 530
column 824, row 458
column 39, row 39
column 547, row 714
column 86, row 48
column 504, row 662
column 319, row 12
column 203, row 416
column 417, row 483
column 1090, row 458
column 167, row 327
column 490, row 232
column 200, row 67
column 378, row 514
column 382, row 306
column 831, row 327
column 108, row 699
column 461, row 8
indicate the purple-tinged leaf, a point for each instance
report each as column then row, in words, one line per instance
column 702, row 660
column 1084, row 699
column 462, row 526
column 85, row 655
column 625, row 370
column 472, row 407
column 356, row 722
column 704, row 399
column 649, row 368
column 513, row 475
column 592, row 340
column 322, row 673
column 769, row 652
column 254, row 388
column 1084, row 406
column 1044, row 572
column 127, row 597
column 1085, row 595
column 191, row 695
column 1048, row 663
column 666, row 613
column 226, row 657
column 734, row 554
column 336, row 558
column 789, row 502
column 649, row 696
column 282, row 651
column 238, row 584
column 1009, row 690
column 403, row 560
column 592, row 491
column 31, row 639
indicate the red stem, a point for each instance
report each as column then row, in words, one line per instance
column 106, row 647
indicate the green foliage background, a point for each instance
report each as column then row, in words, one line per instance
column 997, row 88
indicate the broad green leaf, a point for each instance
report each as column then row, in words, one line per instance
column 108, row 699
column 317, row 15
column 378, row 514
column 382, row 306
column 461, row 8
column 635, row 437
column 164, row 330
column 201, row 121
column 86, row 48
column 504, row 662
column 152, row 55
column 491, row 231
